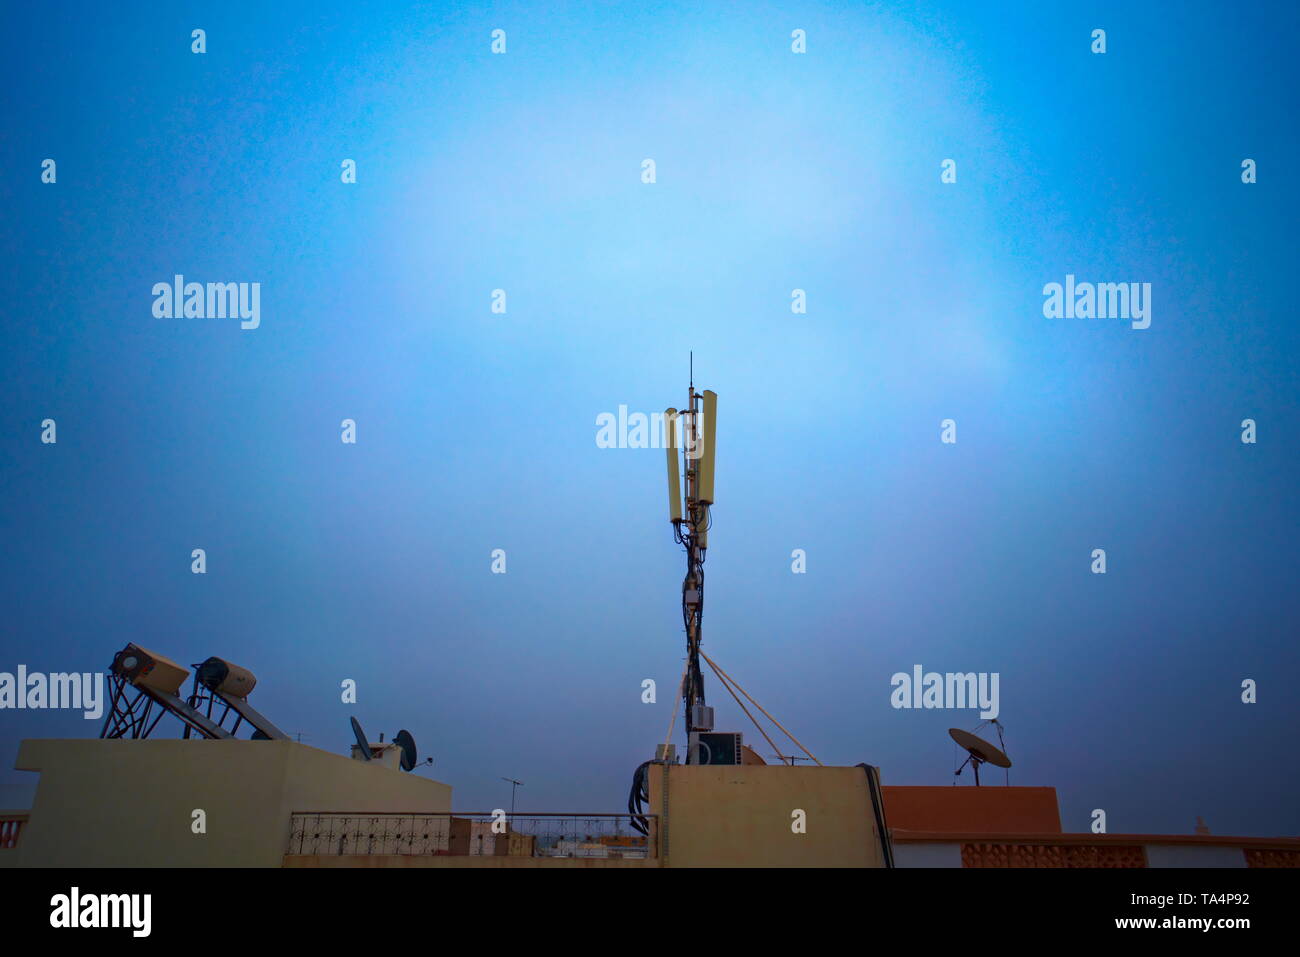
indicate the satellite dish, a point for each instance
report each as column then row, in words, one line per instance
column 361, row 740
column 980, row 748
column 407, row 743
column 978, row 751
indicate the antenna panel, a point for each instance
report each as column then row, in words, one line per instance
column 707, row 456
column 674, row 467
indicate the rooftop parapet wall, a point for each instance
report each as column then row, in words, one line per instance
column 746, row 816
column 1067, row 850
column 127, row 802
column 973, row 810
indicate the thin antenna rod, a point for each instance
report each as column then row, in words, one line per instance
column 514, row 786
column 692, row 354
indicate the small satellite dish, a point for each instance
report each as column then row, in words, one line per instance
column 978, row 752
column 404, row 741
column 361, row 739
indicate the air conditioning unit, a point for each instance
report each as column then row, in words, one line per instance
column 716, row 747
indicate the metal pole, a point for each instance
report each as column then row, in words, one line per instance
column 513, row 786
column 693, row 586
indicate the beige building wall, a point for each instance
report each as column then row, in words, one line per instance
column 742, row 816
column 130, row 802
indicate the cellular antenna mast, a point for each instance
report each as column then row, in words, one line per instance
column 690, row 443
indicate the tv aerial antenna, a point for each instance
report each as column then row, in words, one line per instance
column 690, row 442
column 514, row 786
column 978, row 751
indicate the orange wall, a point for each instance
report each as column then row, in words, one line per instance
column 973, row 810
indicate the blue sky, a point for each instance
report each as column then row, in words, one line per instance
column 775, row 171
